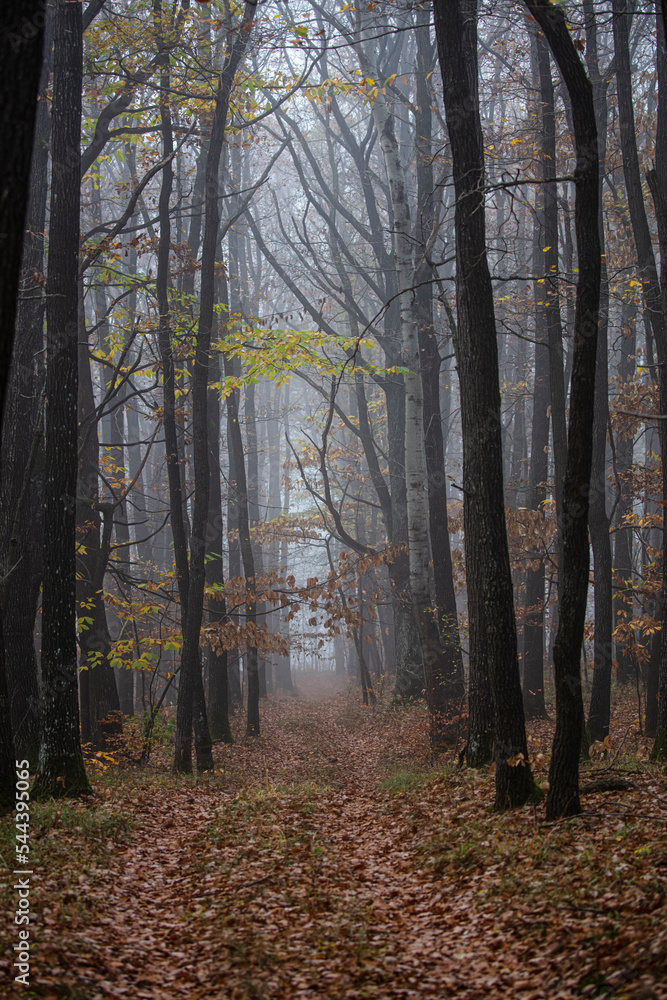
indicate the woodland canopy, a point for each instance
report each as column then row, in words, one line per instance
column 333, row 376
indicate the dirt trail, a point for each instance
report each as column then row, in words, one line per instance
column 294, row 873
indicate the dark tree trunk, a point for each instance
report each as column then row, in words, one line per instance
column 284, row 665
column 409, row 665
column 234, row 557
column 253, row 500
column 487, row 555
column 600, row 706
column 124, row 677
column 218, row 688
column 171, row 435
column 23, row 452
column 252, row 661
column 452, row 681
column 190, row 696
column 171, row 442
column 654, row 297
column 61, row 768
column 7, row 752
column 533, row 632
column 563, row 795
column 550, row 287
column 92, row 556
column 20, row 70
column 623, row 590
column 658, row 684
column 653, row 683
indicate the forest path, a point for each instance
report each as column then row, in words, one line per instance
column 304, row 868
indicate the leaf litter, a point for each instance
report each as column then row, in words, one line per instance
column 333, row 857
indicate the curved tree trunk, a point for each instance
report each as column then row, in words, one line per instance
column 487, row 554
column 563, row 795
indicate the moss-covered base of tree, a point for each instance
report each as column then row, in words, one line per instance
column 659, row 751
column 61, row 777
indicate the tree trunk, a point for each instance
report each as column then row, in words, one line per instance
column 654, row 297
column 623, row 580
column 284, row 666
column 659, row 751
column 252, row 663
column 61, row 768
column 20, row 71
column 533, row 656
column 94, row 539
column 563, row 795
column 430, row 362
column 23, row 454
column 550, row 287
column 218, row 689
column 600, row 706
column 487, row 555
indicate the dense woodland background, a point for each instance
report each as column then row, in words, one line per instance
column 333, row 375
column 328, row 316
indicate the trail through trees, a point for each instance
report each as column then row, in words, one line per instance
column 325, row 862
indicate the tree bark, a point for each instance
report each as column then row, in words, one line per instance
column 533, row 655
column 20, row 69
column 549, row 284
column 236, row 441
column 654, row 297
column 22, row 459
column 659, row 751
column 623, row 534
column 487, row 554
column 218, row 689
column 22, row 34
column 600, row 707
column 563, row 795
column 61, row 768
column 94, row 540
column 430, row 363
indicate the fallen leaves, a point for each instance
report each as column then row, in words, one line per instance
column 343, row 862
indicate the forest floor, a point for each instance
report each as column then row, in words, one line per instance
column 333, row 858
